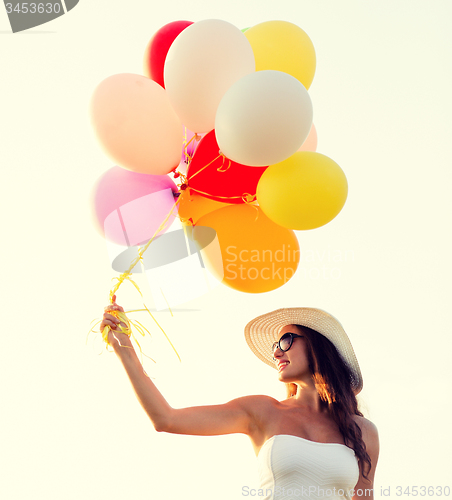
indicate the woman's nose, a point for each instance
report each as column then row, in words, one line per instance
column 277, row 352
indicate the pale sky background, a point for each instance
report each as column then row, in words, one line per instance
column 71, row 427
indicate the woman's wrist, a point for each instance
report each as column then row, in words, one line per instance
column 123, row 345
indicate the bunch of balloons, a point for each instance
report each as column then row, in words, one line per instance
column 227, row 112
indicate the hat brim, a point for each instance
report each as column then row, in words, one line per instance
column 263, row 331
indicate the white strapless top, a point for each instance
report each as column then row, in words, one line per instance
column 292, row 467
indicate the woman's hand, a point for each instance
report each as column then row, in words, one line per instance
column 116, row 338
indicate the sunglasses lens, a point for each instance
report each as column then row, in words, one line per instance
column 285, row 341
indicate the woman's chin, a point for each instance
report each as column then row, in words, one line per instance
column 284, row 377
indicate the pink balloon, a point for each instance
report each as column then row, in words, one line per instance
column 129, row 207
column 135, row 124
column 310, row 144
column 189, row 146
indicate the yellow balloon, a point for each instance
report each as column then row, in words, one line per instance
column 257, row 255
column 303, row 192
column 193, row 206
column 283, row 46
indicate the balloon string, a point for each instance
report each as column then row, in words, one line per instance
column 222, row 169
column 127, row 330
column 141, row 251
column 126, row 276
column 196, row 138
column 246, row 197
column 203, row 168
column 164, row 333
column 219, row 169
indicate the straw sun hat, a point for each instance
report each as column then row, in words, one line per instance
column 263, row 331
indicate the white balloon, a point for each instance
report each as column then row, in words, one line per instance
column 263, row 118
column 202, row 63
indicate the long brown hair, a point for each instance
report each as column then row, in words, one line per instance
column 332, row 378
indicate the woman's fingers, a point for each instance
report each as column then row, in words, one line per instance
column 111, row 317
column 108, row 323
column 114, row 307
column 112, row 322
column 108, row 320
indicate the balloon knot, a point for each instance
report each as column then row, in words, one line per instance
column 189, row 221
column 248, row 198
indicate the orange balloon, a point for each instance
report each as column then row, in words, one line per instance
column 257, row 255
column 136, row 125
column 193, row 206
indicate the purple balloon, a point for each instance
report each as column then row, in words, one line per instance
column 129, row 207
column 189, row 149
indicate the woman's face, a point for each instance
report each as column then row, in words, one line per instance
column 293, row 365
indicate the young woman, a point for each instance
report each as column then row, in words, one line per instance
column 315, row 443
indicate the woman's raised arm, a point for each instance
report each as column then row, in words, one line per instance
column 229, row 418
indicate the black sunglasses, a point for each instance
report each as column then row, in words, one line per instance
column 285, row 342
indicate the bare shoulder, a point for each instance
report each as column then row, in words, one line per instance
column 260, row 410
column 370, row 438
column 367, row 427
column 370, row 434
column 257, row 403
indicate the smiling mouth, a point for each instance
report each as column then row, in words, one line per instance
column 282, row 366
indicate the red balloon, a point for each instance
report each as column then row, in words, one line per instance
column 157, row 48
column 223, row 179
